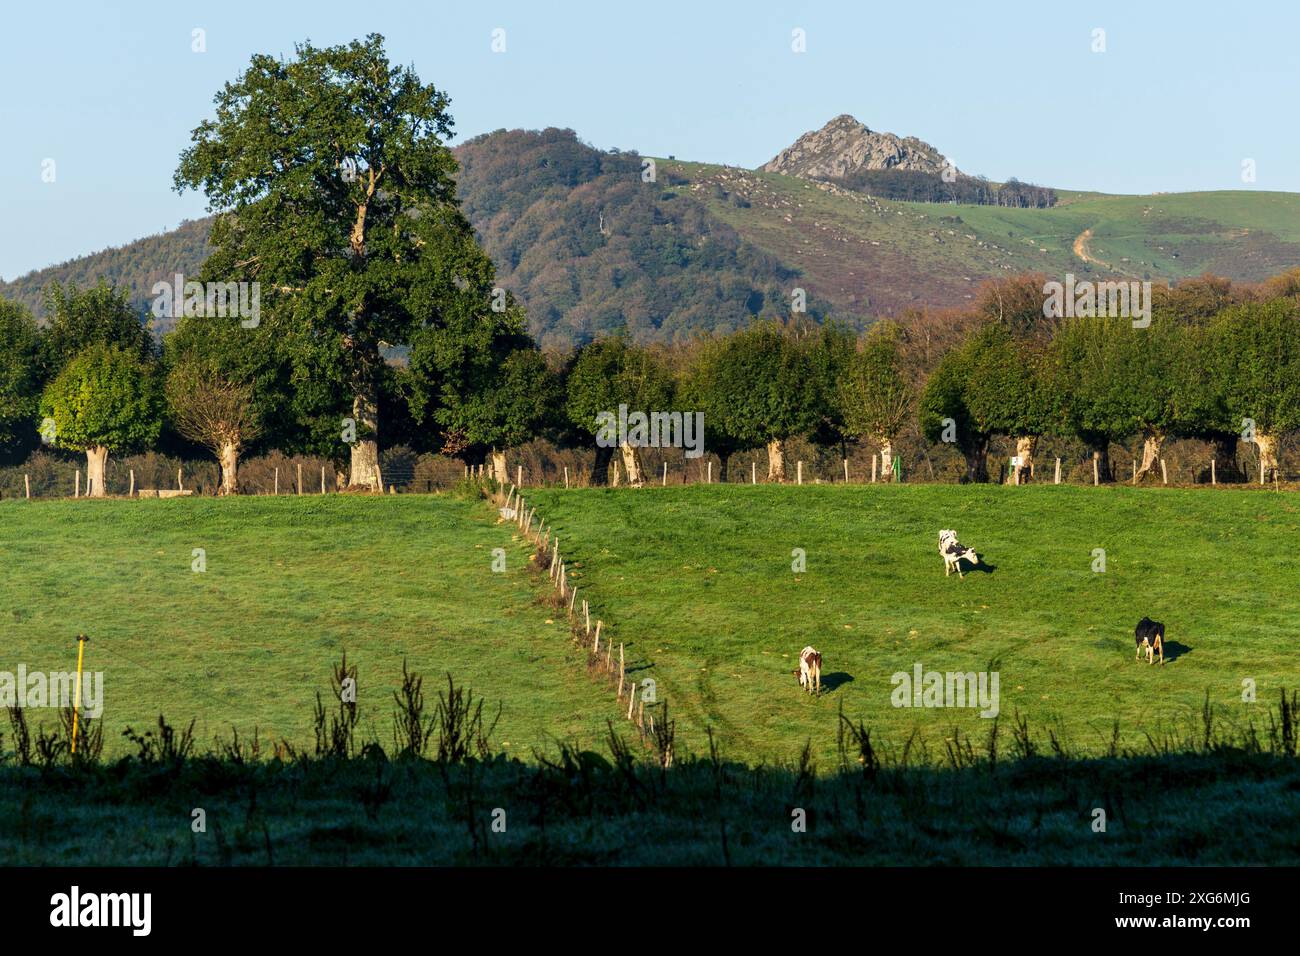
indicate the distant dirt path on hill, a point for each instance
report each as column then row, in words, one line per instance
column 1081, row 248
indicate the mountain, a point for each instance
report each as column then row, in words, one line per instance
column 135, row 266
column 592, row 244
column 591, row 247
column 844, row 146
column 577, row 234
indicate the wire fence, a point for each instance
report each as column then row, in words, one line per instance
column 1186, row 462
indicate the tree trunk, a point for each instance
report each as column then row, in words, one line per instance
column 1267, row 445
column 228, row 456
column 977, row 469
column 96, row 459
column 365, row 451
column 632, row 465
column 1026, row 445
column 1151, row 443
column 722, row 467
column 1100, row 448
column 499, row 468
column 776, row 460
column 886, row 457
column 600, row 471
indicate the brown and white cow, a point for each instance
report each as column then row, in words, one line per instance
column 810, row 670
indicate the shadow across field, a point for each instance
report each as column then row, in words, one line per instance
column 410, row 799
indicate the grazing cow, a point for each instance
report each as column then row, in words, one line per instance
column 1151, row 636
column 953, row 552
column 810, row 670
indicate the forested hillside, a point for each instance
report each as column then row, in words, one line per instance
column 135, row 266
column 575, row 233
column 591, row 248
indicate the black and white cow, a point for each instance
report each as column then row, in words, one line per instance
column 1151, row 637
column 954, row 552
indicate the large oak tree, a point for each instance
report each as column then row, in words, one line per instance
column 334, row 188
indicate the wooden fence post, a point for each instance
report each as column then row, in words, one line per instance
column 753, row 472
column 586, row 614
column 596, row 645
column 566, row 476
column 76, row 486
column 709, row 480
column 299, row 478
column 277, row 480
column 631, row 699
column 322, row 480
column 27, row 485
column 131, row 493
column 180, row 485
column 519, row 475
column 1214, row 479
column 1164, row 475
column 664, row 483
column 1057, row 481
column 846, row 471
column 1096, row 472
column 620, row 670
column 800, row 470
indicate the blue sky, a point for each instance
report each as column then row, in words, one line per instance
column 1183, row 93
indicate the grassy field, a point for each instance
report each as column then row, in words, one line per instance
column 698, row 582
column 290, row 583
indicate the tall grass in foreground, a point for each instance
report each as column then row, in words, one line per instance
column 1212, row 794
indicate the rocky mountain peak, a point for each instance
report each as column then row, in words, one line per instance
column 844, row 146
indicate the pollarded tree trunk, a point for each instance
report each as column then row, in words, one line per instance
column 96, row 459
column 365, row 451
column 1151, row 443
column 600, row 470
column 228, row 456
column 977, row 469
column 1267, row 445
column 776, row 460
column 1026, row 445
column 632, row 464
column 499, row 474
column 886, row 457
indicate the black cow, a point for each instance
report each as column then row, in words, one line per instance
column 1150, row 635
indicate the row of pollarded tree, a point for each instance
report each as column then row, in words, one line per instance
column 1215, row 364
